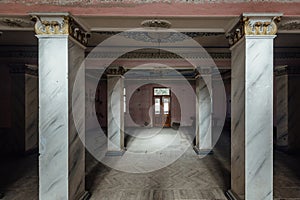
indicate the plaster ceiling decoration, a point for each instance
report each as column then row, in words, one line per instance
column 16, row 22
column 160, row 36
column 156, row 36
column 156, row 23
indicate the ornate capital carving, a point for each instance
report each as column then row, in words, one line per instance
column 60, row 25
column 155, row 23
column 254, row 24
column 115, row 71
column 203, row 71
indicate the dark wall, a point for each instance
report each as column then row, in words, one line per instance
column 5, row 100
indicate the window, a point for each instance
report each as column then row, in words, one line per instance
column 157, row 106
column 166, row 101
column 124, row 95
column 161, row 91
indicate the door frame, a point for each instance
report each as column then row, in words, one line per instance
column 168, row 123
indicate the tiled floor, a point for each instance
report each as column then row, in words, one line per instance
column 187, row 178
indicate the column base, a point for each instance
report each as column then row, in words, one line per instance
column 115, row 153
column 86, row 196
column 203, row 151
column 231, row 195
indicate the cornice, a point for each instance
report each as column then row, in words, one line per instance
column 254, row 24
column 15, row 23
column 4, row 53
column 59, row 24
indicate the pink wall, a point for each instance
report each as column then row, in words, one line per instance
column 140, row 100
column 149, row 8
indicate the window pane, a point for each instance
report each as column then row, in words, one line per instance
column 161, row 91
column 166, row 105
column 157, row 106
column 124, row 103
column 124, row 95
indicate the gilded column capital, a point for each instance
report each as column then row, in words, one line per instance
column 203, row 71
column 115, row 71
column 254, row 24
column 60, row 24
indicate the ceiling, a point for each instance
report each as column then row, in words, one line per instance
column 209, row 32
column 18, row 30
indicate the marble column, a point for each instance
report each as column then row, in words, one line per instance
column 287, row 80
column 25, row 107
column 204, row 138
column 281, row 99
column 115, row 112
column 62, row 153
column 252, row 107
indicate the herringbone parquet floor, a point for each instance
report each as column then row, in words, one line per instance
column 187, row 178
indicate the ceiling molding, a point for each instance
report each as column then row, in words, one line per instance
column 290, row 26
column 15, row 23
column 27, row 53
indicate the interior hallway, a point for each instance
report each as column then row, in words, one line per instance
column 187, row 178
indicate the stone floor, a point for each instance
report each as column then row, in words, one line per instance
column 187, row 178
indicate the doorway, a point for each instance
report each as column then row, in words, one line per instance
column 162, row 105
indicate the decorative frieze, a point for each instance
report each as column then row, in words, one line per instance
column 60, row 25
column 141, row 34
column 290, row 25
column 161, row 55
column 254, row 24
column 13, row 22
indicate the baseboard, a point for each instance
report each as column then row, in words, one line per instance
column 203, row 151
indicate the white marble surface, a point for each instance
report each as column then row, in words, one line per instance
column 287, row 109
column 238, row 120
column 31, row 112
column 61, row 160
column 203, row 115
column 77, row 97
column 282, row 110
column 25, row 113
column 252, row 117
column 18, row 111
column 115, row 113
